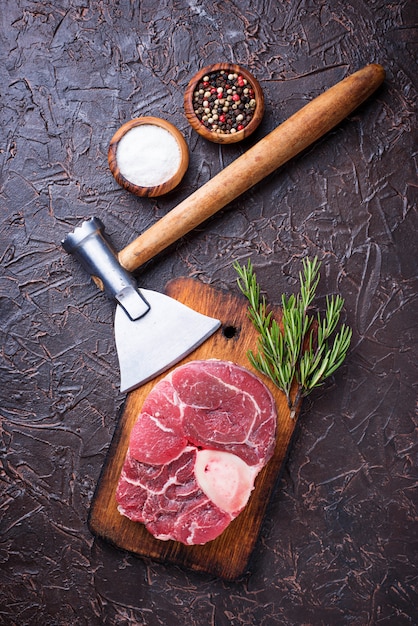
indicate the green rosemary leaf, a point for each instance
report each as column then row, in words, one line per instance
column 334, row 307
column 339, row 349
column 318, row 374
column 309, row 281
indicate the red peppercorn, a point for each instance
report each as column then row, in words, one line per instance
column 236, row 97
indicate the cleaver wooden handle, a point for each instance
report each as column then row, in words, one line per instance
column 286, row 141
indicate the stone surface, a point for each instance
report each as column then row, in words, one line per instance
column 339, row 541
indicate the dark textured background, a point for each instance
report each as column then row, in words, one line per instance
column 338, row 545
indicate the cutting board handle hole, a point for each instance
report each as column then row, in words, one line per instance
column 229, row 331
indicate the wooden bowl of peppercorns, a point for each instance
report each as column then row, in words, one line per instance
column 224, row 103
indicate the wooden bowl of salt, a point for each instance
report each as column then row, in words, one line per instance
column 148, row 156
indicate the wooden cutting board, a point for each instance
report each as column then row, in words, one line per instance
column 227, row 556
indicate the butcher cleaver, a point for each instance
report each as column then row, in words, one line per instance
column 164, row 332
column 152, row 330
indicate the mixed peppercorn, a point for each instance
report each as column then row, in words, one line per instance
column 224, row 102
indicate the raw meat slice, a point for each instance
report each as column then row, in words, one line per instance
column 203, row 434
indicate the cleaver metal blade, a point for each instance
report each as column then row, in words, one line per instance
column 153, row 332
column 165, row 335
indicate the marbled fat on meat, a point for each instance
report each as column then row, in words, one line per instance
column 203, row 434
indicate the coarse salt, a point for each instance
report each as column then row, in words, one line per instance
column 148, row 155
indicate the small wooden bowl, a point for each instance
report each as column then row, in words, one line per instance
column 148, row 156
column 213, row 135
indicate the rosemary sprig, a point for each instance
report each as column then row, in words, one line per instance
column 298, row 355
